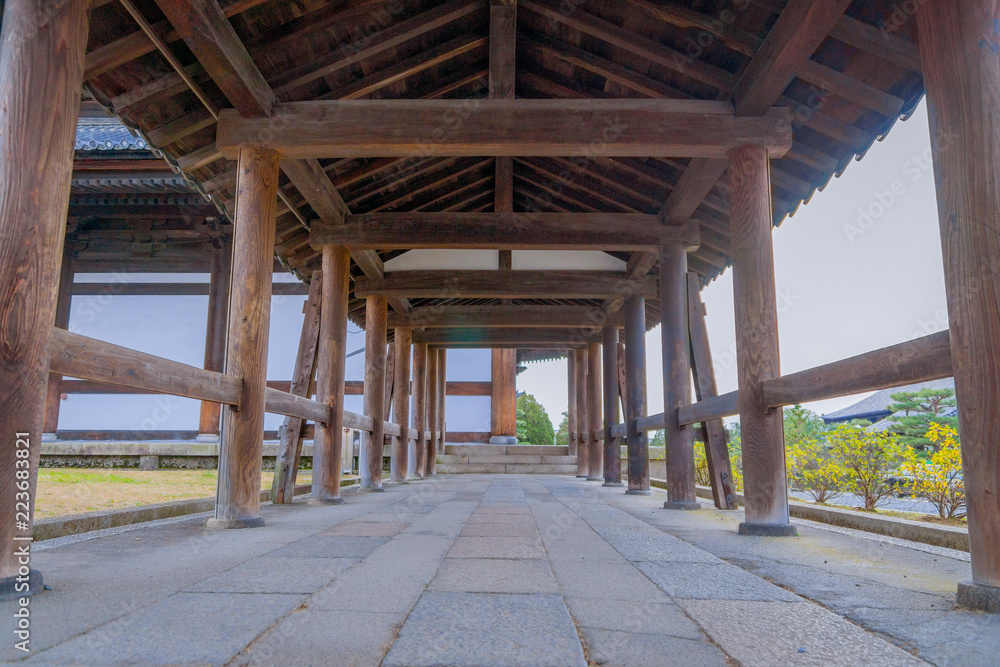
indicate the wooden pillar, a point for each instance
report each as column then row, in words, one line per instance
column 612, row 446
column 370, row 465
column 53, row 395
column 571, row 401
column 503, row 398
column 595, row 459
column 42, row 51
column 757, row 342
column 430, row 465
column 419, row 458
column 582, row 419
column 215, row 332
column 399, row 464
column 635, row 373
column 241, row 447
column 442, row 392
column 961, row 71
column 328, row 442
column 679, row 440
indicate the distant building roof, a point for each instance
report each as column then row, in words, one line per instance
column 107, row 134
column 876, row 407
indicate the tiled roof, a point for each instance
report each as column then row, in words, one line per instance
column 876, row 405
column 107, row 134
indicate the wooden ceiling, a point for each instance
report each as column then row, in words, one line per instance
column 845, row 80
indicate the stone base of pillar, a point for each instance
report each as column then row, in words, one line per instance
column 638, row 492
column 979, row 597
column 207, row 437
column 768, row 529
column 48, row 437
column 10, row 587
column 325, row 501
column 503, row 440
column 227, row 524
column 372, row 489
column 618, row 484
column 595, row 479
column 681, row 505
column 581, row 476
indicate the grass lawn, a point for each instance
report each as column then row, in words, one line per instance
column 64, row 491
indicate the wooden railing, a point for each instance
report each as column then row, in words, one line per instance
column 920, row 360
column 98, row 361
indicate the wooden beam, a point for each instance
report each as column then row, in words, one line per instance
column 431, row 422
column 77, row 356
column 215, row 329
column 206, row 30
column 419, row 458
column 503, row 397
column 442, row 375
column 504, row 316
column 595, row 414
column 612, row 414
column 800, row 29
column 571, row 426
column 64, row 297
column 695, row 183
column 506, row 231
column 582, row 419
column 509, row 284
column 707, row 409
column 173, row 289
column 399, row 465
column 628, row 127
column 489, row 337
column 635, row 371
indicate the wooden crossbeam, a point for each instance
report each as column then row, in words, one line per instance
column 171, row 289
column 516, row 336
column 505, row 231
column 506, row 316
column 504, row 284
column 622, row 127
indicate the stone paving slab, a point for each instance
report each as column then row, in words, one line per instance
column 658, row 617
column 497, row 547
column 367, row 528
column 481, row 629
column 716, row 581
column 482, row 575
column 330, row 546
column 270, row 574
column 607, row 647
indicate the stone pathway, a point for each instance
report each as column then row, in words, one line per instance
column 496, row 570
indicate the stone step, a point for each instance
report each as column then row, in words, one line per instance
column 501, row 468
column 506, row 450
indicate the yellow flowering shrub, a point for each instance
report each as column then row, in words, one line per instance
column 939, row 478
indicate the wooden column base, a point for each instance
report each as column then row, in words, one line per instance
column 768, row 529
column 225, row 524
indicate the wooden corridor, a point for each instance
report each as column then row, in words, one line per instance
column 669, row 138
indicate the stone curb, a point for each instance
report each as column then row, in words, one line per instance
column 915, row 531
column 48, row 529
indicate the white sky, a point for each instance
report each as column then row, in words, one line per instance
column 845, row 285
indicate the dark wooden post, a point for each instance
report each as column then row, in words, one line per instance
column 635, row 372
column 328, row 442
column 215, row 332
column 503, row 398
column 595, row 459
column 757, row 342
column 419, row 458
column 679, row 440
column 42, row 50
column 571, row 402
column 53, row 394
column 582, row 419
column 432, row 412
column 442, row 392
column 962, row 74
column 241, row 447
column 612, row 447
column 399, row 463
column 370, row 466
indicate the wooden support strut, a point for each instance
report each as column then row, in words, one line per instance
column 432, row 413
column 241, row 447
column 679, row 439
column 442, row 392
column 328, row 443
column 612, row 445
column 762, row 430
column 43, row 48
column 582, row 419
column 571, row 426
column 370, row 463
column 286, row 463
column 419, row 457
column 503, row 399
column 635, row 371
column 399, row 463
column 54, row 392
column 595, row 459
column 215, row 334
column 957, row 53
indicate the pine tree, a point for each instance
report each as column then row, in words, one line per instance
column 537, row 428
column 914, row 412
column 562, row 435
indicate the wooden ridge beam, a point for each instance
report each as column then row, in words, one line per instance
column 506, row 316
column 505, row 231
column 504, row 284
column 641, row 128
